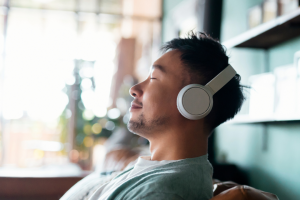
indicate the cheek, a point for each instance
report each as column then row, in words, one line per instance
column 160, row 102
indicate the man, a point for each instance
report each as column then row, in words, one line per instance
column 178, row 167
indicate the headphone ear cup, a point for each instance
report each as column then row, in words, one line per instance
column 194, row 101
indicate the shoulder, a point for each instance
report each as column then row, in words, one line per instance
column 187, row 178
column 183, row 171
column 191, row 181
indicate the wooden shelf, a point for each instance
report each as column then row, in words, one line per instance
column 246, row 119
column 269, row 34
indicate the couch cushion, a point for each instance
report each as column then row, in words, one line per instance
column 242, row 192
column 222, row 186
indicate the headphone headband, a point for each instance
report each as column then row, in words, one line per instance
column 221, row 79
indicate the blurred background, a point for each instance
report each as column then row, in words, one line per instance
column 66, row 67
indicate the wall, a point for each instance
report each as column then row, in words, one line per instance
column 167, row 24
column 269, row 153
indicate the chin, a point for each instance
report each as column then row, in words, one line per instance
column 134, row 126
column 139, row 126
column 145, row 128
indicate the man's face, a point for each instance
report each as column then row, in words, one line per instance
column 154, row 106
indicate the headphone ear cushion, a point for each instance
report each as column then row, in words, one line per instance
column 194, row 101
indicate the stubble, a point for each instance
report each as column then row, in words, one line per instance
column 145, row 127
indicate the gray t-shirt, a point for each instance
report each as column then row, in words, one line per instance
column 186, row 179
column 144, row 164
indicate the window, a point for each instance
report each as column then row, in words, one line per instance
column 57, row 71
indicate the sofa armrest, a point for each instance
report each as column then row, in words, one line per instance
column 243, row 192
column 220, row 187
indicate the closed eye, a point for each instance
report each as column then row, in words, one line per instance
column 152, row 78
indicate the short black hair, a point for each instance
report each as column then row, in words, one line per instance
column 204, row 57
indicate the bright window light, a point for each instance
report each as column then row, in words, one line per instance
column 88, row 115
column 86, row 72
column 42, row 145
column 86, row 83
column 114, row 113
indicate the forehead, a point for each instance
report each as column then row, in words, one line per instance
column 169, row 63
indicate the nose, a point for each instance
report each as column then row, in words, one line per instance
column 136, row 91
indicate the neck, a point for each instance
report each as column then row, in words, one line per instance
column 178, row 144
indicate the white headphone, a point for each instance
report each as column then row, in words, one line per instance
column 195, row 101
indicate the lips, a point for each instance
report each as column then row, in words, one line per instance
column 135, row 105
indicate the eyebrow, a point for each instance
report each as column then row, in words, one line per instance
column 161, row 68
